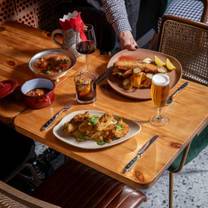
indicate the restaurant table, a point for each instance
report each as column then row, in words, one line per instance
column 188, row 114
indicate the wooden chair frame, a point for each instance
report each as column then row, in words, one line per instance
column 204, row 25
column 204, row 18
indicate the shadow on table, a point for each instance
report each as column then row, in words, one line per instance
column 68, row 147
column 67, row 98
column 107, row 90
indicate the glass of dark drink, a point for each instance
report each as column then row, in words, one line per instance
column 88, row 45
column 85, row 87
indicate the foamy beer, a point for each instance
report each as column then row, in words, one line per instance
column 160, row 89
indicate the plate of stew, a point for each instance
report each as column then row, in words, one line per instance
column 52, row 63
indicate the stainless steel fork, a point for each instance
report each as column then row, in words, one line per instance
column 55, row 116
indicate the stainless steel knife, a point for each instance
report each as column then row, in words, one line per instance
column 132, row 162
column 104, row 75
column 170, row 98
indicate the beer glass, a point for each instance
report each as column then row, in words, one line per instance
column 159, row 94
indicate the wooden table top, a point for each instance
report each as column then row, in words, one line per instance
column 188, row 115
column 17, row 47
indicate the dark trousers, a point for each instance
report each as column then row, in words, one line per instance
column 15, row 150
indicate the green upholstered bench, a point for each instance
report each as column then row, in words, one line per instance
column 197, row 145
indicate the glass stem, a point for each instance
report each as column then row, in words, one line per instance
column 86, row 61
column 158, row 116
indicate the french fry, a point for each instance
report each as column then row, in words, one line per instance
column 137, row 73
column 136, row 80
column 146, row 83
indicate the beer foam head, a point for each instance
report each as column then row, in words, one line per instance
column 161, row 79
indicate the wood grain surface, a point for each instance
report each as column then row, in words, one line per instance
column 18, row 45
column 188, row 114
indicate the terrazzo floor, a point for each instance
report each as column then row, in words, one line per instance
column 190, row 189
column 190, row 186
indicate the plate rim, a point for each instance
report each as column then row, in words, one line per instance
column 64, row 119
column 140, row 49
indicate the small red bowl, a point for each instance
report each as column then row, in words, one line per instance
column 7, row 87
column 36, row 101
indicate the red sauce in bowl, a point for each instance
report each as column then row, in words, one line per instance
column 37, row 92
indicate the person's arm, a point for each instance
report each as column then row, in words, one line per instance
column 116, row 14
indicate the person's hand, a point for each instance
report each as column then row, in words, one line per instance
column 127, row 41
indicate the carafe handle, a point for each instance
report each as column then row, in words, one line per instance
column 57, row 32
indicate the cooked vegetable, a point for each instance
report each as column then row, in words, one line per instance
column 101, row 142
column 137, row 70
column 93, row 120
column 127, row 85
column 134, row 73
column 52, row 64
column 119, row 127
column 162, row 69
column 92, row 127
column 147, row 60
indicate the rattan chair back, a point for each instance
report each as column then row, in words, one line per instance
column 188, row 42
column 35, row 13
column 22, row 11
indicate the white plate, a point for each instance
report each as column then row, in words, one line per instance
column 54, row 51
column 134, row 129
